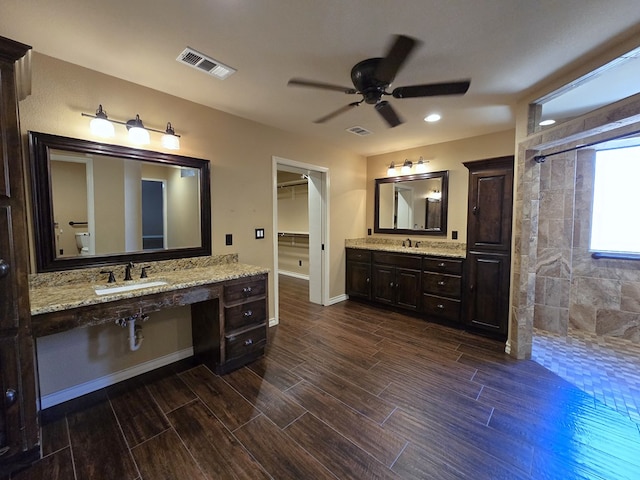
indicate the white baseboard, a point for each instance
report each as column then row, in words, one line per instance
column 301, row 276
column 91, row 386
column 338, row 299
column 273, row 322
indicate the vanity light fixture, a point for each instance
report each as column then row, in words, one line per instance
column 391, row 171
column 138, row 133
column 406, row 167
column 421, row 166
column 100, row 125
column 169, row 139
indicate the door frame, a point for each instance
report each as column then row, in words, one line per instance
column 318, row 231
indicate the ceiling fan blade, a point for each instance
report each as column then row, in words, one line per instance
column 396, row 56
column 432, row 89
column 387, row 112
column 337, row 112
column 301, row 82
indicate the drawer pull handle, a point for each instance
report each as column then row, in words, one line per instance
column 441, row 283
column 247, row 314
column 391, row 284
column 368, row 279
column 441, row 264
column 248, row 342
column 246, row 290
column 440, row 306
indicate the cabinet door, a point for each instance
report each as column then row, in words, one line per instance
column 383, row 284
column 488, row 292
column 408, row 288
column 18, row 421
column 359, row 279
column 490, row 209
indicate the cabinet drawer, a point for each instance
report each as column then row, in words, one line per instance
column 252, row 287
column 441, row 284
column 245, row 314
column 446, row 308
column 442, row 265
column 358, row 255
column 246, row 341
column 397, row 260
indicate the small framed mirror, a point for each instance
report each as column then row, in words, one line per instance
column 97, row 204
column 412, row 204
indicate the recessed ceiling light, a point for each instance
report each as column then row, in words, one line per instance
column 434, row 117
column 544, row 123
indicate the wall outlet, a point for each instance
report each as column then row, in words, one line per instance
column 368, row 231
column 228, row 239
column 299, row 263
column 454, row 234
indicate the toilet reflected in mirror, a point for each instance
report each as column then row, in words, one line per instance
column 82, row 242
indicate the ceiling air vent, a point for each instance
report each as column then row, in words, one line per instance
column 197, row 60
column 359, row 131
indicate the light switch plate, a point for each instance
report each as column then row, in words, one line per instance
column 259, row 233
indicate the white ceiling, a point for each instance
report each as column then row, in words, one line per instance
column 504, row 46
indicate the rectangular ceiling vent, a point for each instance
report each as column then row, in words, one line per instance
column 359, row 131
column 206, row 64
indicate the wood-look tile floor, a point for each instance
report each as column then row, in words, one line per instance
column 346, row 391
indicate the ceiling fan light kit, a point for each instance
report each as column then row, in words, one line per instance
column 373, row 76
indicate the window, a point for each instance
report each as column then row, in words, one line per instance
column 615, row 225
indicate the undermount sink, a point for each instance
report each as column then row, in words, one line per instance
column 127, row 288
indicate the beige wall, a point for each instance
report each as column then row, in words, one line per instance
column 69, row 195
column 240, row 152
column 443, row 156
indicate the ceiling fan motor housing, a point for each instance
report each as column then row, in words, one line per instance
column 363, row 78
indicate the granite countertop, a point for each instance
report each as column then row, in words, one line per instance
column 438, row 249
column 46, row 299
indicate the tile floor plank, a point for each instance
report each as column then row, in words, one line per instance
column 278, row 453
column 165, row 457
column 216, row 450
column 57, row 466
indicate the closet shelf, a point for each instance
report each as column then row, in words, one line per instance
column 294, row 234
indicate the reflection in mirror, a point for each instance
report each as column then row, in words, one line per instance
column 97, row 204
column 413, row 204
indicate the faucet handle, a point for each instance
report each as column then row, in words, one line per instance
column 112, row 278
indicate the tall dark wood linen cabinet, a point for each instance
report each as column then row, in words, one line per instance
column 19, row 443
column 488, row 265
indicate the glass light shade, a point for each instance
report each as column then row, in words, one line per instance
column 406, row 167
column 139, row 136
column 102, row 127
column 170, row 141
column 391, row 171
column 421, row 167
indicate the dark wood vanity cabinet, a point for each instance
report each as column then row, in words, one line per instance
column 19, row 435
column 442, row 288
column 489, row 244
column 358, row 281
column 396, row 279
column 234, row 334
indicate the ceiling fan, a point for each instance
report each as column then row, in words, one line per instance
column 372, row 77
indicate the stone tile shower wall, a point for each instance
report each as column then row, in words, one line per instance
column 573, row 290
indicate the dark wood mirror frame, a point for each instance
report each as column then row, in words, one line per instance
column 40, row 145
column 443, row 175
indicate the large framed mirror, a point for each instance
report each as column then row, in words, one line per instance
column 412, row 204
column 97, row 204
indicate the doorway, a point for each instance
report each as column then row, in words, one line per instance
column 154, row 214
column 318, row 231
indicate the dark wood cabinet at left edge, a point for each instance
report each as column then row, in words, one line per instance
column 19, row 433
